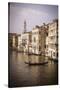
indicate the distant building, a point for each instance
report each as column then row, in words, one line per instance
column 12, row 40
column 53, row 39
column 26, row 41
column 9, row 40
column 19, row 41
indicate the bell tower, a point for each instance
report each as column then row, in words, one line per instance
column 24, row 26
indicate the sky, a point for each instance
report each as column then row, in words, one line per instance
column 34, row 14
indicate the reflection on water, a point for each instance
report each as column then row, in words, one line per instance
column 34, row 58
column 21, row 74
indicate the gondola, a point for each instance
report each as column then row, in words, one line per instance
column 41, row 63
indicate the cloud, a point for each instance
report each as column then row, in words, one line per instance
column 32, row 12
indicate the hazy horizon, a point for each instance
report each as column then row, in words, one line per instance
column 34, row 14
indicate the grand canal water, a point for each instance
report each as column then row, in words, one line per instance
column 21, row 74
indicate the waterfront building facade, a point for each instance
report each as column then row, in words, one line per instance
column 53, row 39
column 46, row 50
column 39, row 39
column 35, row 40
column 44, row 33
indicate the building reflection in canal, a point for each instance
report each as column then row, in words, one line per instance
column 21, row 74
column 37, row 59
